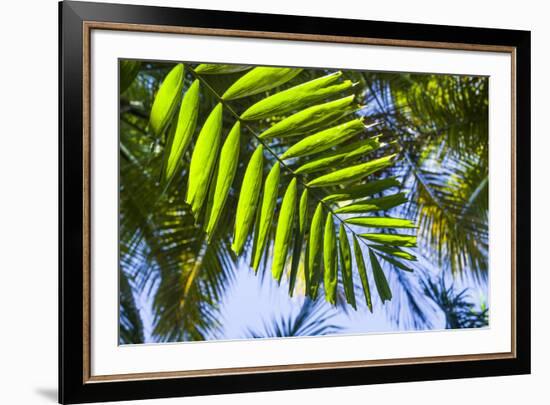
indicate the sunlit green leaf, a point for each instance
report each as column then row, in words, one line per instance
column 363, row 190
column 391, row 239
column 228, row 162
column 297, row 97
column 203, row 160
column 325, row 139
column 346, row 154
column 351, row 174
column 166, row 100
column 381, row 222
column 248, row 199
column 259, row 79
column 267, row 210
column 310, row 119
column 181, row 137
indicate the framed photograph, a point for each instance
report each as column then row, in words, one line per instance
column 256, row 202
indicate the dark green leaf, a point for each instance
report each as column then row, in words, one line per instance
column 314, row 252
column 345, row 264
column 346, row 154
column 396, row 263
column 391, row 239
column 129, row 69
column 380, row 278
column 394, row 251
column 374, row 204
column 219, row 69
column 324, row 140
column 362, row 272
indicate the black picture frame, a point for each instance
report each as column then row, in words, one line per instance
column 73, row 387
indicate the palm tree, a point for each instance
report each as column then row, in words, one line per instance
column 442, row 121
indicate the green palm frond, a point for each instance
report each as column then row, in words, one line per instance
column 310, row 132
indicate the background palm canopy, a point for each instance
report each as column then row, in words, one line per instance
column 227, row 168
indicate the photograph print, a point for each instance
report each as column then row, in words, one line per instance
column 275, row 202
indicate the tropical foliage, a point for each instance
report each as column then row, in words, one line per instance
column 281, row 168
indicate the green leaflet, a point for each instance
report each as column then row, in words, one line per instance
column 267, row 210
column 228, row 162
column 180, row 138
column 362, row 272
column 248, row 199
column 396, row 263
column 219, row 69
column 394, row 251
column 129, row 69
column 311, row 118
column 283, row 236
column 330, row 255
column 314, row 253
column 203, row 160
column 345, row 261
column 363, row 190
column 298, row 241
column 351, row 174
column 380, row 278
column 258, row 80
column 374, row 204
column 297, row 97
column 345, row 154
column 324, row 140
column 390, row 239
column 381, row 222
column 166, row 100
column 210, row 199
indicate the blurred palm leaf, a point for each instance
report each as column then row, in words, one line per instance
column 313, row 319
column 442, row 122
